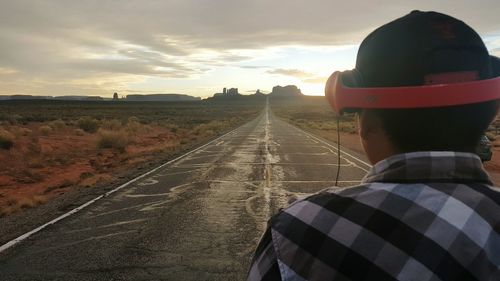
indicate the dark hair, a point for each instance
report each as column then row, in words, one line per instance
column 454, row 128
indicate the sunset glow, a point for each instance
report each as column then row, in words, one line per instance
column 98, row 48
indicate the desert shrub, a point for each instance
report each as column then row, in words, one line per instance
column 133, row 119
column 45, row 130
column 26, row 203
column 34, row 147
column 133, row 124
column 88, row 124
column 86, row 175
column 14, row 119
column 348, row 127
column 112, row 124
column 210, row 128
column 22, row 131
column 28, row 176
column 79, row 132
column 112, row 139
column 6, row 139
column 313, row 125
column 19, row 131
column 57, row 124
column 174, row 128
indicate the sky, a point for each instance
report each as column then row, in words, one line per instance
column 197, row 47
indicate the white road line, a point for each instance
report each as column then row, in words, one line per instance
column 178, row 173
column 192, row 157
column 38, row 229
column 334, row 147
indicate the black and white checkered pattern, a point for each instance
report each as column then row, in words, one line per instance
column 416, row 216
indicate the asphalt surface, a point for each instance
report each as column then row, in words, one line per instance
column 197, row 218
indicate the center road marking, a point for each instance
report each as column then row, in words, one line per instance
column 267, row 167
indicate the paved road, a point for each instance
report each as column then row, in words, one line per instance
column 197, row 218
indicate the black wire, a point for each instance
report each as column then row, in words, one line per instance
column 338, row 152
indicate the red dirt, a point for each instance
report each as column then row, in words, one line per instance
column 493, row 166
column 40, row 167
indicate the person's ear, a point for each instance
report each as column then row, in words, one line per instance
column 369, row 124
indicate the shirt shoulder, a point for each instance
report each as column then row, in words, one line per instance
column 393, row 230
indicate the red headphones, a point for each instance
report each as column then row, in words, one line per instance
column 446, row 89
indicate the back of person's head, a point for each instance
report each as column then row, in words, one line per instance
column 428, row 48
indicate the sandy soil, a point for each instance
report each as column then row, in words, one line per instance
column 493, row 166
column 41, row 167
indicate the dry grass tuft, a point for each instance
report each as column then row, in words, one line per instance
column 79, row 132
column 6, row 139
column 57, row 125
column 15, row 204
column 112, row 125
column 88, row 124
column 45, row 130
column 28, row 176
column 21, row 131
column 133, row 125
column 112, row 139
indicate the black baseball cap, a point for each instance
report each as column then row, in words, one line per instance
column 421, row 60
column 419, row 47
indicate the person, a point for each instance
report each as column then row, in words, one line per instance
column 425, row 92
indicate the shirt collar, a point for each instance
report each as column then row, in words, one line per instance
column 429, row 166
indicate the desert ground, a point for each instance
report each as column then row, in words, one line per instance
column 49, row 148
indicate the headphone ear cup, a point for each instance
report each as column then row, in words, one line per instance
column 330, row 88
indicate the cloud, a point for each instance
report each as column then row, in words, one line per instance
column 253, row 66
column 316, row 80
column 305, row 76
column 290, row 72
column 106, row 42
column 7, row 71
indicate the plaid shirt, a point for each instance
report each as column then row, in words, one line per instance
column 415, row 216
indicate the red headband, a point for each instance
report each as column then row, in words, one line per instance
column 342, row 97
